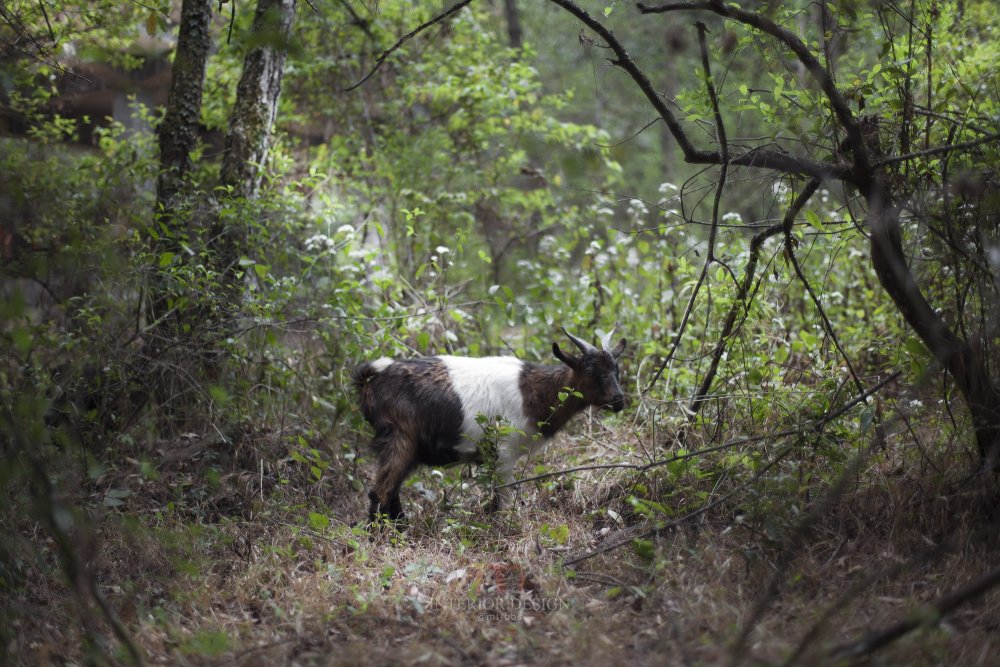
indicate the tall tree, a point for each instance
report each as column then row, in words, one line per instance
column 179, row 129
column 256, row 107
column 513, row 16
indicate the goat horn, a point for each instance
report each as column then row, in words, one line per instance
column 582, row 344
column 606, row 341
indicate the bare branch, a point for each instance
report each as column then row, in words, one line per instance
column 939, row 150
column 790, row 549
column 814, row 427
column 625, row 62
column 740, row 302
column 822, row 76
column 407, row 37
column 710, row 256
column 758, row 157
column 790, row 253
column 928, row 615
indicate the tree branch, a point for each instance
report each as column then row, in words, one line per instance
column 939, row 150
column 862, row 167
column 407, row 37
column 756, row 157
column 812, row 426
column 960, row 357
column 740, row 302
column 928, row 615
column 713, row 231
column 790, row 253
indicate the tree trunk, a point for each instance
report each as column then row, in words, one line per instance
column 963, row 359
column 252, row 118
column 179, row 129
column 177, row 134
column 513, row 16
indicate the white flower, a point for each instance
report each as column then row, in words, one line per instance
column 345, row 230
column 734, row 216
column 319, row 242
column 441, row 250
column 637, row 207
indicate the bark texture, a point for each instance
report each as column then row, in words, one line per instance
column 249, row 135
column 257, row 97
column 179, row 129
column 513, row 16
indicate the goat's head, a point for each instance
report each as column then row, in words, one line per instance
column 595, row 372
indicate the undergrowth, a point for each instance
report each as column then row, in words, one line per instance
column 208, row 559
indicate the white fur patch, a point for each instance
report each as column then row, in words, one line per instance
column 489, row 386
column 381, row 364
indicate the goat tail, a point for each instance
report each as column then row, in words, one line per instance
column 363, row 373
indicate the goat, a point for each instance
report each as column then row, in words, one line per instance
column 424, row 410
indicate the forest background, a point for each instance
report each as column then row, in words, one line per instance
column 209, row 212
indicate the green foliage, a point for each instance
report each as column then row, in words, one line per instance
column 472, row 199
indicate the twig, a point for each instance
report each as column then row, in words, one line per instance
column 927, row 615
column 815, row 427
column 939, row 150
column 77, row 572
column 45, row 14
column 805, row 56
column 312, row 533
column 642, row 467
column 741, row 299
column 789, row 550
column 357, row 20
column 855, row 589
column 790, row 253
column 755, row 157
column 407, row 37
column 656, row 530
column 713, row 230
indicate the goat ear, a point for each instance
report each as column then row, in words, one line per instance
column 619, row 348
column 567, row 359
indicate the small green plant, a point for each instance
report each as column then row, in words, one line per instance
column 556, row 535
column 496, row 431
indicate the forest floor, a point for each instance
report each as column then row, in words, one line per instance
column 248, row 556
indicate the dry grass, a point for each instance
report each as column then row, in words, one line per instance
column 240, row 577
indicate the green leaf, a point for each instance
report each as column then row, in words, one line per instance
column 813, row 219
column 644, row 549
column 558, row 534
column 219, row 394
